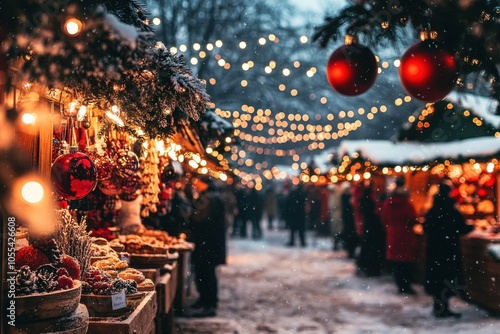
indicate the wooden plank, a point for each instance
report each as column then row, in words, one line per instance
column 164, row 296
column 138, row 322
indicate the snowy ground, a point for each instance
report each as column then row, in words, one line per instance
column 269, row 288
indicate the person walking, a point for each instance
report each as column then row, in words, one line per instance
column 209, row 236
column 296, row 217
column 334, row 216
column 270, row 206
column 255, row 212
column 399, row 217
column 242, row 209
column 349, row 234
column 372, row 253
column 443, row 226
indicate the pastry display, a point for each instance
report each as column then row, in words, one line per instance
column 132, row 274
column 146, row 285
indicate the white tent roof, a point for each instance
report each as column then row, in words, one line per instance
column 483, row 107
column 382, row 152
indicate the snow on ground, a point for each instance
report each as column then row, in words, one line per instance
column 270, row 288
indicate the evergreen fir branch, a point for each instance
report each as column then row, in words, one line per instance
column 108, row 63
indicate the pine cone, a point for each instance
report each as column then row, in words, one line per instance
column 50, row 248
column 46, row 278
column 25, row 281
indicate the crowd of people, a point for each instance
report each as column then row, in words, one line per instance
column 376, row 229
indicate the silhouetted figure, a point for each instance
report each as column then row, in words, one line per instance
column 209, row 236
column 255, row 212
column 443, row 227
column 241, row 217
column 372, row 254
column 349, row 235
column 270, row 206
column 296, row 215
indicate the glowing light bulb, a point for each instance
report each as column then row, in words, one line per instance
column 28, row 118
column 32, row 192
column 73, row 26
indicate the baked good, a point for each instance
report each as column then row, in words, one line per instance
column 131, row 273
column 146, row 285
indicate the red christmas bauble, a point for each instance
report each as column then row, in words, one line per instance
column 130, row 187
column 111, row 186
column 104, row 167
column 428, row 71
column 73, row 175
column 352, row 69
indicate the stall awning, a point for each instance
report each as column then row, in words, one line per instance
column 386, row 153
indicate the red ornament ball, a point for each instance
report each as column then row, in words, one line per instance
column 352, row 69
column 111, row 186
column 428, row 71
column 73, row 175
column 104, row 167
column 130, row 188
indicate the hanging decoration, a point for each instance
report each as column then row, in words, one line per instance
column 352, row 68
column 107, row 54
column 470, row 30
column 129, row 187
column 428, row 71
column 150, row 180
column 73, row 175
column 127, row 163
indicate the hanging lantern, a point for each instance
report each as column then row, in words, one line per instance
column 428, row 71
column 352, row 68
column 73, row 175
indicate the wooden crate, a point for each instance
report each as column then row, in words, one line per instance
column 164, row 296
column 481, row 274
column 184, row 267
column 140, row 321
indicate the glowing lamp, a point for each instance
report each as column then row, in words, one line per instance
column 32, row 192
column 73, row 26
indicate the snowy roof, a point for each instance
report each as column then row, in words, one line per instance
column 382, row 152
column 211, row 122
column 483, row 107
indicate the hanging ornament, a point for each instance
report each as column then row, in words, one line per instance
column 73, row 175
column 428, row 71
column 127, row 163
column 111, row 186
column 104, row 167
column 130, row 188
column 352, row 68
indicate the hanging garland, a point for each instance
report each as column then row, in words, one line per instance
column 470, row 30
column 104, row 53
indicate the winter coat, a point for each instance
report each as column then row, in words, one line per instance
column 443, row 227
column 209, row 229
column 296, row 208
column 271, row 203
column 372, row 254
column 398, row 217
column 335, row 210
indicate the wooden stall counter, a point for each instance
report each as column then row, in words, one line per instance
column 139, row 321
column 481, row 271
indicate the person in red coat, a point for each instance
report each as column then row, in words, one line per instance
column 399, row 216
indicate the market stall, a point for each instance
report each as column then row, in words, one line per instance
column 97, row 120
column 450, row 140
